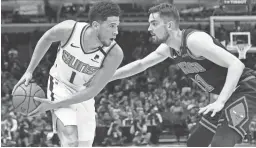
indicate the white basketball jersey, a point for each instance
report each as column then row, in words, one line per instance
column 73, row 68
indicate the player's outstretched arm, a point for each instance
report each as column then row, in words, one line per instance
column 160, row 54
column 59, row 32
column 201, row 44
column 100, row 80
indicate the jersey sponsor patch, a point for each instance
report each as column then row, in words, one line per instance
column 95, row 59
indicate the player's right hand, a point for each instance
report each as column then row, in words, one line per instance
column 25, row 78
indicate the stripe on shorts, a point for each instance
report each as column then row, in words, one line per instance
column 51, row 88
column 207, row 124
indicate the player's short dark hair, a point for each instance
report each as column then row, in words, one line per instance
column 100, row 11
column 166, row 10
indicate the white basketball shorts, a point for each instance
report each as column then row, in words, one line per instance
column 81, row 114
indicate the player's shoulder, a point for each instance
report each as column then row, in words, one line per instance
column 115, row 55
column 198, row 36
column 61, row 31
column 116, row 50
column 66, row 25
column 163, row 49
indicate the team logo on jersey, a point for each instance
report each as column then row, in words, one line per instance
column 72, row 45
column 96, row 57
column 78, row 65
column 237, row 115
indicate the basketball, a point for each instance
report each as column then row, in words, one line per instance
column 23, row 98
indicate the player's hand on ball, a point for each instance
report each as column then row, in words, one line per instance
column 213, row 107
column 45, row 105
column 25, row 78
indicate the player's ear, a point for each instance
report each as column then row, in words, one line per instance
column 95, row 25
column 170, row 25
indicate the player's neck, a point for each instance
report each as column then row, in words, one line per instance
column 90, row 41
column 174, row 40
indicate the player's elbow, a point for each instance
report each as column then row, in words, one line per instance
column 242, row 65
column 238, row 64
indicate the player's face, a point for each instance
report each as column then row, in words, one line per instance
column 157, row 28
column 108, row 30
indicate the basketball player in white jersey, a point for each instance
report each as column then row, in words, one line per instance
column 86, row 60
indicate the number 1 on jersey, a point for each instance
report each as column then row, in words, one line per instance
column 71, row 80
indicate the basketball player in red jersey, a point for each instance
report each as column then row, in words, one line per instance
column 205, row 61
column 86, row 60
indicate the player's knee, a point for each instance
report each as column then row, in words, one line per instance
column 71, row 141
column 68, row 134
column 71, row 136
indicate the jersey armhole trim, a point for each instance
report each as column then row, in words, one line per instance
column 81, row 45
column 171, row 52
column 69, row 36
column 103, row 52
column 59, row 48
column 107, row 54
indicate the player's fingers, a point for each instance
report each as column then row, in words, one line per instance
column 202, row 110
column 207, row 110
column 42, row 100
column 27, row 81
column 213, row 113
column 18, row 84
column 33, row 113
column 14, row 88
column 38, row 99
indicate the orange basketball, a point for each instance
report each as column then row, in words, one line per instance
column 23, row 98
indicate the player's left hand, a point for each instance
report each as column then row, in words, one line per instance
column 213, row 107
column 45, row 105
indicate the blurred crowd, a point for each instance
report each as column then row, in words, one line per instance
column 53, row 12
column 161, row 97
